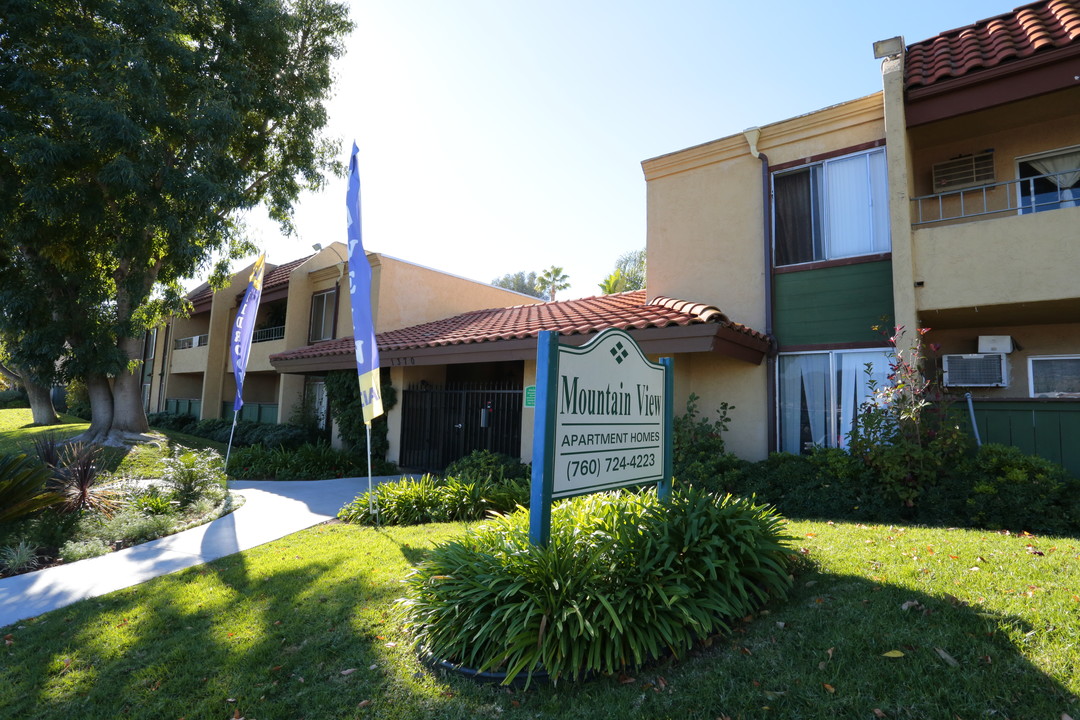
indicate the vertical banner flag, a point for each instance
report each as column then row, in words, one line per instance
column 367, row 352
column 243, row 327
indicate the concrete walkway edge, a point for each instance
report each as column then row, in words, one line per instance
column 272, row 510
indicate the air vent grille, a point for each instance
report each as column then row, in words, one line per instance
column 987, row 370
column 964, row 171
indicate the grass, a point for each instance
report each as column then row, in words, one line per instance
column 17, row 434
column 307, row 627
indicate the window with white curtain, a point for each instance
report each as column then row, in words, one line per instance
column 1049, row 181
column 820, row 394
column 835, row 209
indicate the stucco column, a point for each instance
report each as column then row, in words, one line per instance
column 901, row 188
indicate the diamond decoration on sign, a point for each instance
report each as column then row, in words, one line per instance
column 619, row 353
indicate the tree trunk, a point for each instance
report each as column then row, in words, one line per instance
column 101, row 409
column 41, row 405
column 129, row 415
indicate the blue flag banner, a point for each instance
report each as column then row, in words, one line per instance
column 240, row 344
column 367, row 352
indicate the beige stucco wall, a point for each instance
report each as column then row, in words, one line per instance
column 1016, row 259
column 410, row 294
column 222, row 312
column 716, row 379
column 705, row 242
column 705, row 226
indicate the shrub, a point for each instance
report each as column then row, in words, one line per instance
column 180, row 422
column 904, row 432
column 429, row 499
column 75, row 550
column 130, row 527
column 624, row 579
column 343, row 393
column 488, row 465
column 191, row 475
column 698, row 454
column 75, row 480
column 18, row 558
column 23, row 488
column 78, row 399
column 308, row 462
column 152, row 502
column 15, row 398
column 1010, row 490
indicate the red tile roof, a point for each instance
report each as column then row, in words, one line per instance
column 1027, row 30
column 275, row 276
column 626, row 311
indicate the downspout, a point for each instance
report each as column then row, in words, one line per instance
column 752, row 135
column 337, row 298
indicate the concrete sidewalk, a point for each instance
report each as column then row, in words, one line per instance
column 272, row 509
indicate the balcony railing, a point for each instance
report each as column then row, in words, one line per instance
column 1011, row 197
column 268, row 334
column 190, row 342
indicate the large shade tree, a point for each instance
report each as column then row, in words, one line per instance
column 131, row 135
column 522, row 282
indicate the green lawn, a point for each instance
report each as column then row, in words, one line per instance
column 307, row 627
column 17, row 434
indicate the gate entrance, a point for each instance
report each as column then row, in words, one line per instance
column 443, row 423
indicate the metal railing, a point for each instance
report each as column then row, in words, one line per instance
column 190, row 342
column 268, row 334
column 1002, row 198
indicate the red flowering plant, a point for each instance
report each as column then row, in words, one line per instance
column 904, row 432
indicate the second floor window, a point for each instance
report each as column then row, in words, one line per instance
column 1049, row 181
column 322, row 316
column 835, row 209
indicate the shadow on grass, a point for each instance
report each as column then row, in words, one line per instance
column 298, row 628
column 291, row 629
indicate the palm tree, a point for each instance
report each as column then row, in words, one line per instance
column 552, row 280
column 613, row 283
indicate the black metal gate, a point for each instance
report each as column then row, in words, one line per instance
column 440, row 424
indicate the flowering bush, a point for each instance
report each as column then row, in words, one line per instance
column 904, row 432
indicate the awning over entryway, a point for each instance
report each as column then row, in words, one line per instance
column 662, row 326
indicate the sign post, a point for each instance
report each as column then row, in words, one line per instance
column 603, row 421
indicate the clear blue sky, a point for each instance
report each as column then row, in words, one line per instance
column 505, row 135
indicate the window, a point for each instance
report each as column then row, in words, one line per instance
column 1054, row 376
column 322, row 316
column 1049, row 181
column 835, row 209
column 820, row 394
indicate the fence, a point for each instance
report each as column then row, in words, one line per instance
column 1047, row 428
column 443, row 423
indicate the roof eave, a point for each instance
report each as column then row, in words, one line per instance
column 716, row 338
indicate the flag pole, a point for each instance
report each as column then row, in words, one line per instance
column 240, row 341
column 228, row 450
column 373, row 508
column 364, row 339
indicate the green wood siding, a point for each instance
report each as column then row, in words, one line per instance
column 833, row 305
column 1047, row 429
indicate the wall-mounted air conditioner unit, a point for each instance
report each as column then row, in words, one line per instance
column 985, row 370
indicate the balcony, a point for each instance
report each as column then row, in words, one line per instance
column 1037, row 193
column 1014, row 267
column 268, row 334
column 193, row 341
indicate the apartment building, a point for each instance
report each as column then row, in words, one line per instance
column 304, row 303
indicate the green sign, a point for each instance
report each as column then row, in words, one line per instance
column 530, row 396
column 603, row 421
